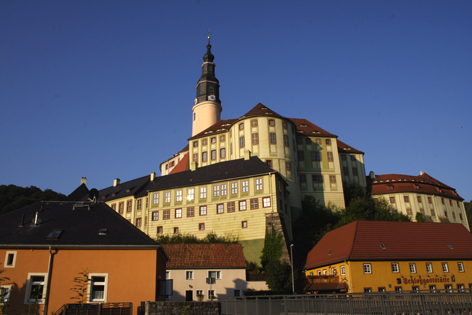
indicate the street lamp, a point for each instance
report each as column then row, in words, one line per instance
column 291, row 263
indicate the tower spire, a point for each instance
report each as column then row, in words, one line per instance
column 207, row 109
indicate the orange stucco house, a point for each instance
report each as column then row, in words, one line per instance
column 45, row 246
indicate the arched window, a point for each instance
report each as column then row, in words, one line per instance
column 211, row 90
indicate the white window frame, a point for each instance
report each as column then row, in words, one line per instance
column 155, row 198
column 8, row 253
column 258, row 183
column 218, row 274
column 234, row 188
column 367, row 268
column 429, row 267
column 460, row 267
column 220, row 208
column 178, row 195
column 445, row 267
column 29, row 285
column 223, row 189
column 245, row 186
column 5, row 294
column 395, row 268
column 167, row 197
column 105, row 287
column 191, row 194
column 203, row 192
column 412, row 268
column 178, row 213
column 342, row 270
column 189, row 275
column 242, row 205
column 266, row 202
column 216, row 190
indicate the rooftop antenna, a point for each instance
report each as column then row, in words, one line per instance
column 209, row 36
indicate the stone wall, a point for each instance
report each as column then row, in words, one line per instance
column 168, row 308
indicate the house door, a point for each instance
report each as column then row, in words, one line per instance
column 189, row 296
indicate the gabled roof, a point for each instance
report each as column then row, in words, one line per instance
column 308, row 128
column 408, row 183
column 212, row 173
column 361, row 240
column 219, row 127
column 125, row 189
column 205, row 256
column 261, row 110
column 344, row 148
column 80, row 194
column 80, row 225
column 182, row 165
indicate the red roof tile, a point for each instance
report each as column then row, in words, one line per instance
column 407, row 183
column 182, row 165
column 219, row 127
column 308, row 128
column 205, row 256
column 344, row 148
column 361, row 240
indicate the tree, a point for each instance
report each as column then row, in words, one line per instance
column 14, row 197
column 279, row 277
column 3, row 293
column 186, row 238
column 273, row 245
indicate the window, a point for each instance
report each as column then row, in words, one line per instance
column 213, row 154
column 342, row 270
column 178, row 195
column 223, row 189
column 203, row 192
column 398, row 289
column 190, row 212
column 301, row 156
column 213, row 140
column 422, row 211
column 332, row 179
column 216, row 190
column 254, row 123
column 178, row 213
column 242, row 205
column 334, row 272
column 328, row 142
column 272, row 138
column 10, row 259
column 139, row 204
column 195, row 157
column 409, row 212
column 445, row 213
column 155, row 216
column 286, row 141
column 448, row 288
column 390, row 187
column 255, row 138
column 222, row 153
column 317, row 178
column 258, row 183
column 412, row 268
column 195, row 144
column 367, row 268
column 302, row 178
column 415, row 288
column 166, row 214
column 269, row 163
column 288, row 166
column 214, row 274
column 237, row 292
column 121, row 207
column 138, row 222
column 5, row 291
column 189, row 275
column 392, row 199
column 204, row 156
column 129, row 204
column 234, row 188
column 204, row 142
column 167, row 197
column 191, row 194
column 382, row 289
column 367, row 290
column 395, row 267
column 244, row 224
column 231, row 206
column 442, row 200
column 330, row 156
column 450, row 202
column 201, row 226
column 266, row 202
column 345, row 171
column 98, row 288
column 433, row 214
column 460, row 267
column 430, row 200
column 445, row 267
column 176, row 230
column 241, row 142
column 113, row 206
column 460, row 288
column 406, row 198
column 432, row 288
column 418, row 198
column 254, row 203
column 353, row 158
column 35, row 288
column 299, row 140
column 203, row 210
column 354, row 171
column 241, row 126
column 222, row 138
column 220, row 208
column 271, row 122
column 245, row 186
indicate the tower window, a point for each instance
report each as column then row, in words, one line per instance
column 211, row 90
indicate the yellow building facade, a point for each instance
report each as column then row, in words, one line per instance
column 391, row 256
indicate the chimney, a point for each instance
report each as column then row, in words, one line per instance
column 116, row 182
column 193, row 166
column 421, row 173
column 153, row 176
column 247, row 155
column 372, row 175
column 83, row 181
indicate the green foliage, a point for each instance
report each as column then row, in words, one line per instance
column 279, row 276
column 420, row 217
column 253, row 267
column 273, row 245
column 186, row 238
column 184, row 308
column 14, row 197
column 80, row 287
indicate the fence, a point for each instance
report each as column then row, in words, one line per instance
column 96, row 309
column 350, row 304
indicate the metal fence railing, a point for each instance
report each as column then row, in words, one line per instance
column 350, row 304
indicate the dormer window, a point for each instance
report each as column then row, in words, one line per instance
column 390, row 187
column 54, row 235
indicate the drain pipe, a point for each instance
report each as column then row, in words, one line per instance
column 48, row 281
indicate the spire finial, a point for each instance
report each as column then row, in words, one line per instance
column 209, row 36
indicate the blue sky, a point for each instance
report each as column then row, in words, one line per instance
column 104, row 89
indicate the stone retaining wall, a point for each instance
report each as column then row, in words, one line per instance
column 194, row 308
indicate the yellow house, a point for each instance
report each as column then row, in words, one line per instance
column 408, row 194
column 372, row 256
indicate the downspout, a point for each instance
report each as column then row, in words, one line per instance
column 46, row 302
column 350, row 279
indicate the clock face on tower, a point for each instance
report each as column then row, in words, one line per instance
column 211, row 97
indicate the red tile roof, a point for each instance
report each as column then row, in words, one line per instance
column 205, row 256
column 182, row 165
column 308, row 128
column 407, row 183
column 344, row 148
column 219, row 127
column 261, row 110
column 361, row 240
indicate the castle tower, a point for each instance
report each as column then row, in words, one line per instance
column 207, row 108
